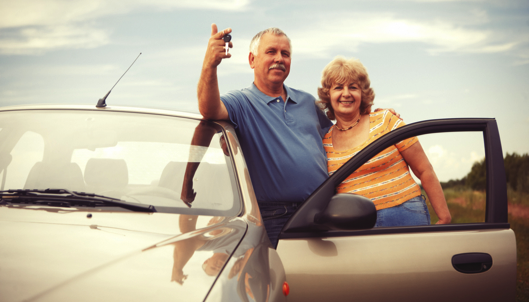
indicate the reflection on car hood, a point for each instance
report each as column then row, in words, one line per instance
column 66, row 256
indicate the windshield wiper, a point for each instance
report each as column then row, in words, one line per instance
column 66, row 198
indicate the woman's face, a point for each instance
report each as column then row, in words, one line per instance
column 345, row 98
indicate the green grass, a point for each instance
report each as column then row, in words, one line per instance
column 517, row 197
column 468, row 206
column 465, row 205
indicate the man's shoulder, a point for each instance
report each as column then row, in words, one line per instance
column 248, row 92
column 237, row 96
column 301, row 93
column 238, row 91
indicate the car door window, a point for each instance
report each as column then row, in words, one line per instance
column 496, row 198
column 388, row 180
column 461, row 169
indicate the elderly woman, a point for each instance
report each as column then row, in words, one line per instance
column 347, row 97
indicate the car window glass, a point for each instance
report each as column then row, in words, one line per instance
column 389, row 181
column 27, row 152
column 143, row 168
column 461, row 170
column 178, row 165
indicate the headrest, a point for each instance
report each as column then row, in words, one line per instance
column 106, row 172
column 173, row 175
column 55, row 176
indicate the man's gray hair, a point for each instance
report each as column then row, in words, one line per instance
column 254, row 45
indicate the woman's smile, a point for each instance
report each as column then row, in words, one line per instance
column 347, row 102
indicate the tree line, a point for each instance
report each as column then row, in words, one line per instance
column 516, row 171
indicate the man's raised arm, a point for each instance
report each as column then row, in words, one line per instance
column 209, row 103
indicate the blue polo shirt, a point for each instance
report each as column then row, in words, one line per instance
column 281, row 141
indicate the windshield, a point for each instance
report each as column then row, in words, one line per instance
column 175, row 164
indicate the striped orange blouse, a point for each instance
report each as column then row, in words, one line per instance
column 385, row 179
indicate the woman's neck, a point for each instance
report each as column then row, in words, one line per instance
column 345, row 138
column 345, row 122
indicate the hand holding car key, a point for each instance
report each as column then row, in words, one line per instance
column 218, row 46
column 227, row 39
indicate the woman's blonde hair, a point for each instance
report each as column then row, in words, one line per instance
column 341, row 70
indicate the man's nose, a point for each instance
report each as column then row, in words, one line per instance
column 278, row 57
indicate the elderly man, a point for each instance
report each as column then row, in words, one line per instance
column 280, row 128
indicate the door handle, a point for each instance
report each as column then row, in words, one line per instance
column 472, row 263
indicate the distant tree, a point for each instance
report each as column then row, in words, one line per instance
column 454, row 183
column 516, row 172
column 477, row 179
column 511, row 162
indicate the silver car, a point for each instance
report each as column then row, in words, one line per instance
column 112, row 204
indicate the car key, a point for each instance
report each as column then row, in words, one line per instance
column 227, row 39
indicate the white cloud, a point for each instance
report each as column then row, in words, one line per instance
column 523, row 54
column 396, row 100
column 36, row 26
column 475, row 157
column 32, row 27
column 429, row 1
column 450, row 163
column 352, row 30
column 35, row 40
column 436, row 151
column 47, row 12
column 480, row 15
column 37, row 13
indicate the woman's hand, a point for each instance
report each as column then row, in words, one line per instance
column 446, row 219
column 390, row 110
column 178, row 276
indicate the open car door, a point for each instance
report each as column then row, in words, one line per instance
column 331, row 252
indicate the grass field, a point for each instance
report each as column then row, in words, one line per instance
column 469, row 206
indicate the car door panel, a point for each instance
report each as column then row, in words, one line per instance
column 399, row 267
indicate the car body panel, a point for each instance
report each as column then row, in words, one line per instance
column 401, row 266
column 54, row 256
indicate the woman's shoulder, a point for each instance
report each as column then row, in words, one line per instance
column 384, row 120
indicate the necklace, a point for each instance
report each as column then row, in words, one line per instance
column 349, row 127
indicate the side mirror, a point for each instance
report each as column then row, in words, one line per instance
column 348, row 212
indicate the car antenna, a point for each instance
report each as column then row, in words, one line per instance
column 101, row 103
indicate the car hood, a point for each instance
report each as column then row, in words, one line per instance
column 60, row 255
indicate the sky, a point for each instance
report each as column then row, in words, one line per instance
column 427, row 59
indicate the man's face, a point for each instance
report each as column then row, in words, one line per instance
column 272, row 63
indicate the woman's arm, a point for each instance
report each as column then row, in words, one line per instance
column 421, row 167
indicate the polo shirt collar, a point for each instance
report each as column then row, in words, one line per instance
column 267, row 99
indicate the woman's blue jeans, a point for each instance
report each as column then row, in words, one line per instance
column 411, row 212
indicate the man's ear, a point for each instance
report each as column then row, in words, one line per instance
column 251, row 60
